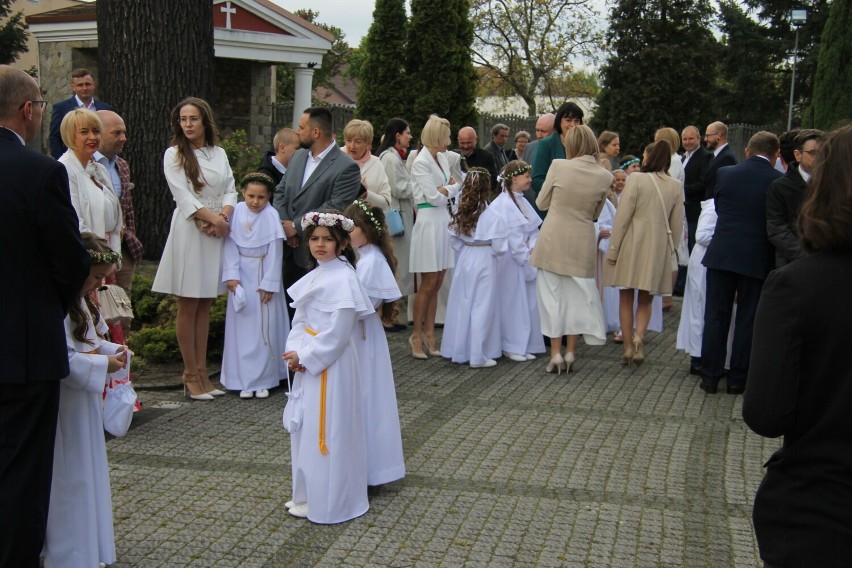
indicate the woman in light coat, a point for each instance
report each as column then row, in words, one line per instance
column 573, row 195
column 358, row 139
column 647, row 229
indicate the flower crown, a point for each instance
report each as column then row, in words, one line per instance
column 327, row 220
column 257, row 177
column 522, row 169
column 366, row 209
column 110, row 257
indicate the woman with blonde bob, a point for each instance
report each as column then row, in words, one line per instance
column 431, row 253
column 97, row 206
column 358, row 141
column 573, row 195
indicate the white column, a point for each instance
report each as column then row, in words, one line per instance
column 302, row 96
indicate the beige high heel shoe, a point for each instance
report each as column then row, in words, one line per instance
column 638, row 350
column 207, row 385
column 569, row 361
column 556, row 364
column 194, row 385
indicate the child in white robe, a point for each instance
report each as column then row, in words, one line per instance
column 256, row 321
column 375, row 269
column 79, row 522
column 479, row 236
column 520, row 326
column 329, row 449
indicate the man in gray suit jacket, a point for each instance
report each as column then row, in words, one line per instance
column 319, row 176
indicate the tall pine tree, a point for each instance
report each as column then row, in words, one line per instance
column 13, row 33
column 439, row 66
column 382, row 81
column 661, row 71
column 832, row 100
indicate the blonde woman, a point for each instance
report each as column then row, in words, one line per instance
column 358, row 141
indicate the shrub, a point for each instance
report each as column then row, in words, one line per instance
column 243, row 156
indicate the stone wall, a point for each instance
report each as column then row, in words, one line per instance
column 243, row 99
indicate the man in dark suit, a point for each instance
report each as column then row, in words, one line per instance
column 695, row 161
column 786, row 194
column 716, row 137
column 83, row 87
column 320, row 176
column 474, row 156
column 738, row 260
column 499, row 136
column 43, row 269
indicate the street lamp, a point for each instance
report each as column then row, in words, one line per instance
column 798, row 17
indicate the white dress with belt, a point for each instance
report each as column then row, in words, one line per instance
column 430, row 239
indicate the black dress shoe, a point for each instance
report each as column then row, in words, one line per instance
column 694, row 370
column 709, row 389
column 736, row 389
column 397, row 327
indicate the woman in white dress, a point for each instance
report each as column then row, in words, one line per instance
column 520, row 326
column 479, row 236
column 375, row 268
column 79, row 523
column 431, row 253
column 573, row 195
column 393, row 153
column 202, row 185
column 256, row 322
column 358, row 139
column 329, row 450
column 92, row 195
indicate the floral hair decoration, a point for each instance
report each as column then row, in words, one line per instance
column 629, row 163
column 257, row 177
column 327, row 220
column 509, row 175
column 110, row 257
column 366, row 209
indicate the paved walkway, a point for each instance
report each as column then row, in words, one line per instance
column 508, row 466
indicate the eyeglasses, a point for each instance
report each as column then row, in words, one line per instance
column 711, row 134
column 811, row 152
column 40, row 103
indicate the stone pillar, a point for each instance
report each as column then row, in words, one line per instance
column 302, row 97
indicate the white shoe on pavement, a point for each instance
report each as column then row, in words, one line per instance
column 529, row 356
column 262, row 393
column 290, row 504
column 300, row 510
column 486, row 364
column 246, row 394
column 515, row 356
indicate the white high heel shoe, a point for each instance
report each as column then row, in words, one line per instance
column 556, row 365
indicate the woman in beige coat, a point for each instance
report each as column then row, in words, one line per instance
column 647, row 230
column 573, row 195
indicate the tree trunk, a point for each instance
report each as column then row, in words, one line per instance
column 152, row 54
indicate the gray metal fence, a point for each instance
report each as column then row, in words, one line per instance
column 515, row 123
column 739, row 134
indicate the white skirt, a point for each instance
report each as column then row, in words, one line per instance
column 570, row 306
column 430, row 241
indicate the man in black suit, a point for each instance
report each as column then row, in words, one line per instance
column 474, row 156
column 786, row 194
column 499, row 136
column 83, row 87
column 695, row 161
column 319, row 176
column 716, row 137
column 43, row 269
column 738, row 260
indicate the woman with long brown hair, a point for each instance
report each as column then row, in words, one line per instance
column 202, row 185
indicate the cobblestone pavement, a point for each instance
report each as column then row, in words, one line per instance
column 507, row 466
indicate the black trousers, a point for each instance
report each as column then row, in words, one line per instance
column 28, row 414
column 292, row 273
column 723, row 287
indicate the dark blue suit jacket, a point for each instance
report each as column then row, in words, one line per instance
column 60, row 109
column 44, row 263
column 725, row 158
column 740, row 243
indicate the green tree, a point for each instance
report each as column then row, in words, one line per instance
column 382, row 81
column 832, row 99
column 531, row 45
column 439, row 66
column 661, row 69
column 333, row 62
column 13, row 33
column 751, row 90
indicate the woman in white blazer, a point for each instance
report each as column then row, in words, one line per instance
column 431, row 254
column 97, row 206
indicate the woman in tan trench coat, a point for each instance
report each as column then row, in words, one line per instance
column 646, row 231
column 573, row 195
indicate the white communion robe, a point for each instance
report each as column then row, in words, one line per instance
column 610, row 294
column 385, row 462
column 256, row 334
column 330, row 477
column 520, row 326
column 79, row 522
column 472, row 326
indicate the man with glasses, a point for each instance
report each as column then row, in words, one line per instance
column 43, row 269
column 786, row 194
column 543, row 129
column 83, row 86
column 716, row 138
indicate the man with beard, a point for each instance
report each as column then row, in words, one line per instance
column 716, row 137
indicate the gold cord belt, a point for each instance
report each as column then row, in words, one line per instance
column 323, row 384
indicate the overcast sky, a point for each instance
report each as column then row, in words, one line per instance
column 352, row 16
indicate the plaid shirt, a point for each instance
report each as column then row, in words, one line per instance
column 134, row 247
